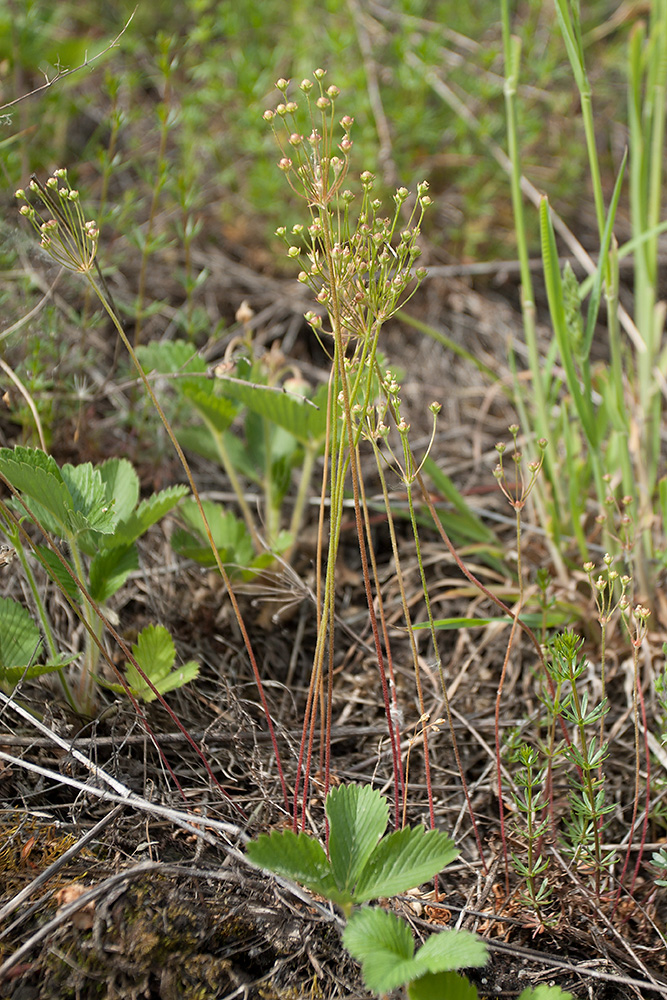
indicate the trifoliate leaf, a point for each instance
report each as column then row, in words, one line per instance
column 155, row 653
column 384, row 946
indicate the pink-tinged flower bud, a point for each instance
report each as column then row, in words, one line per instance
column 268, row 116
column 322, row 295
column 19, row 193
column 333, row 92
column 306, row 86
column 319, row 74
column 285, row 164
column 281, row 110
column 52, row 182
column 322, row 103
column 282, row 84
column 293, row 252
column 347, row 122
column 291, row 107
column 346, row 145
column 295, row 139
column 25, row 210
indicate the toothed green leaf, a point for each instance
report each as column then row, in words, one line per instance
column 358, row 817
column 442, row 986
column 305, row 422
column 404, row 860
column 20, row 640
column 109, row 569
column 149, row 512
column 155, row 653
column 383, row 944
column 58, row 573
column 296, row 856
column 121, row 484
column 217, row 411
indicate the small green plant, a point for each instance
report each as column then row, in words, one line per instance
column 659, row 859
column 362, row 865
column 261, row 429
column 365, row 864
column 566, row 666
column 531, row 825
column 96, row 511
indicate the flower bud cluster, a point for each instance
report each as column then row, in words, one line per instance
column 64, row 233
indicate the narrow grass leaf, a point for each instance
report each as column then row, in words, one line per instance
column 403, row 860
column 555, row 297
column 469, row 524
column 553, row 618
column 358, row 816
column 596, row 294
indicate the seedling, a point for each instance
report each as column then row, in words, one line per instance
column 95, row 511
column 364, row 864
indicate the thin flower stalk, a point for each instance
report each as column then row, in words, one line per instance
column 72, row 241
